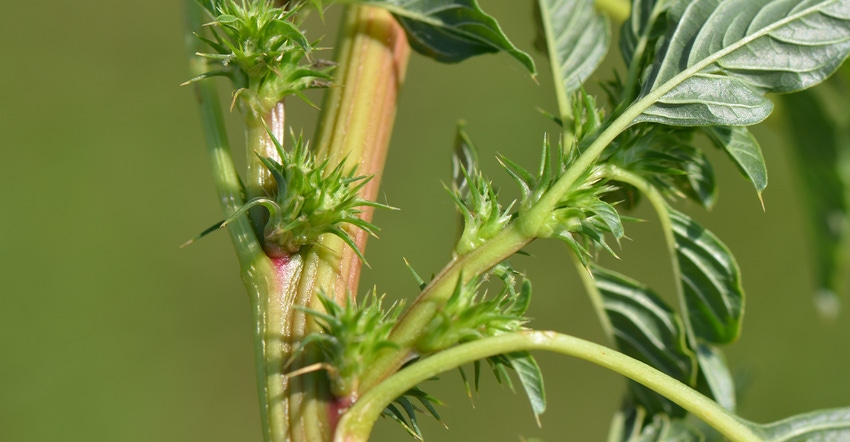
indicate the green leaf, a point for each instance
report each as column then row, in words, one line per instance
column 578, row 38
column 716, row 376
column 646, row 329
column 636, row 35
column 531, row 379
column 630, row 425
column 723, row 55
column 666, row 429
column 710, row 281
column 698, row 181
column 744, row 150
column 816, row 148
column 451, row 30
column 817, row 426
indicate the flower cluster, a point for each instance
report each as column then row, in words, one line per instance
column 469, row 314
column 261, row 49
column 351, row 338
column 476, row 199
column 311, row 199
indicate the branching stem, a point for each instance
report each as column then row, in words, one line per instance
column 510, row 240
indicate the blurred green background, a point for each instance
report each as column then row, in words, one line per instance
column 110, row 332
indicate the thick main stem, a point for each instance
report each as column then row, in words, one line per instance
column 358, row 116
column 355, row 128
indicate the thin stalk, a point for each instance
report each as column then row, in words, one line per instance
column 258, row 272
column 565, row 108
column 414, row 321
column 595, row 298
column 660, row 205
column 514, row 237
column 356, row 424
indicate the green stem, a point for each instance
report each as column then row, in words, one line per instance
column 415, row 320
column 595, row 297
column 656, row 199
column 355, row 128
column 564, row 103
column 357, row 423
column 514, row 237
column 257, row 271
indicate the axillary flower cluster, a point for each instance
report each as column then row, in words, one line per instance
column 261, row 49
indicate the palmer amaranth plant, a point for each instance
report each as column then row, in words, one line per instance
column 328, row 366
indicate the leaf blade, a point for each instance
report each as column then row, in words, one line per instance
column 817, row 426
column 451, row 31
column 578, row 37
column 709, row 281
column 744, row 150
column 749, row 47
column 531, row 378
column 718, row 379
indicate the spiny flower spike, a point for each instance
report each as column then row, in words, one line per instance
column 260, row 48
column 470, row 314
column 311, row 200
column 476, row 198
column 351, row 338
column 582, row 217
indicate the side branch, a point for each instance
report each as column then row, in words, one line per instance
column 356, row 424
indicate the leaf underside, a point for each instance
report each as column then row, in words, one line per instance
column 715, row 374
column 817, row 426
column 581, row 38
column 722, row 56
column 744, row 150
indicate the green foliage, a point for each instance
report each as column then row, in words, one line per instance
column 720, row 57
column 667, row 158
column 818, row 426
column 476, row 199
column 469, row 314
column 710, row 281
column 695, row 68
column 647, row 329
column 313, row 199
column 636, row 426
column 743, row 149
column 581, row 217
column 450, row 30
column 408, row 419
column 582, row 39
